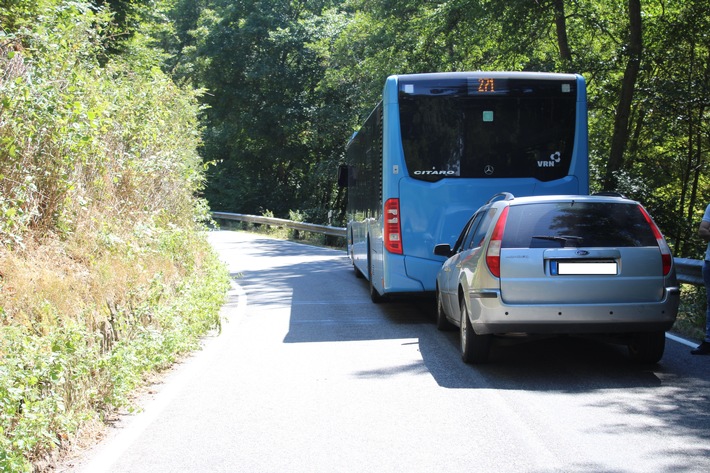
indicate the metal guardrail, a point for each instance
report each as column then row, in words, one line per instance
column 689, row 271
column 280, row 222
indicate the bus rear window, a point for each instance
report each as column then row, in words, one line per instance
column 521, row 129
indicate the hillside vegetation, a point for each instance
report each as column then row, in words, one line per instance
column 105, row 273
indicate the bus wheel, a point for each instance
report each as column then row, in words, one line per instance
column 351, row 246
column 374, row 295
column 474, row 347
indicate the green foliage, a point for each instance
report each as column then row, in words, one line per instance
column 290, row 81
column 691, row 313
column 42, row 380
column 105, row 271
column 268, row 125
column 77, row 136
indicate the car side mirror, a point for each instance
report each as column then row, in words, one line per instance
column 443, row 249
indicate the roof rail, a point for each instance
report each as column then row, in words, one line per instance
column 504, row 195
column 610, row 194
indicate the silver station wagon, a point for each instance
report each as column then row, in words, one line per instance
column 559, row 265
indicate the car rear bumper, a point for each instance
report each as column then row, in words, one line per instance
column 490, row 315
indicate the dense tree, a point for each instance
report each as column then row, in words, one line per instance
column 288, row 81
column 265, row 118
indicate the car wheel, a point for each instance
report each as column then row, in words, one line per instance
column 442, row 323
column 474, row 347
column 647, row 347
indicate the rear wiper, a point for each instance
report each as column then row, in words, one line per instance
column 563, row 238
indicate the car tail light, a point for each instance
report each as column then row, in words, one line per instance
column 493, row 252
column 665, row 250
column 393, row 229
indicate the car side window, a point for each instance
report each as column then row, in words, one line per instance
column 479, row 233
column 460, row 242
column 472, row 230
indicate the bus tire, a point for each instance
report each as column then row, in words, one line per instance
column 351, row 246
column 375, row 296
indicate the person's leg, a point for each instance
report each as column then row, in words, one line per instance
column 704, row 348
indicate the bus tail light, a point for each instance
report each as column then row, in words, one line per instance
column 393, row 228
column 493, row 251
column 666, row 257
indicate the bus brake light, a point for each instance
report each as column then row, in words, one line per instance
column 393, row 230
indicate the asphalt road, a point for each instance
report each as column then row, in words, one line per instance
column 309, row 376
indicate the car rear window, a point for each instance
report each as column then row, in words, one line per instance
column 576, row 224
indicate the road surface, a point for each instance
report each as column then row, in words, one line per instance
column 310, row 376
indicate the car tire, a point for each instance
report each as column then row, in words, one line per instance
column 475, row 348
column 647, row 347
column 442, row 323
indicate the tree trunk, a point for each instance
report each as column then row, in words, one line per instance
column 623, row 110
column 561, row 24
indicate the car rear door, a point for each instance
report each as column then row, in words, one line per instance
column 571, row 253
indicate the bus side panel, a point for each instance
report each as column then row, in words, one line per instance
column 389, row 270
column 580, row 160
column 393, row 167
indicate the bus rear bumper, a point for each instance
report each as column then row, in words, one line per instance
column 399, row 279
column 422, row 271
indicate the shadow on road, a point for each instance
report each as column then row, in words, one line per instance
column 328, row 303
column 325, row 302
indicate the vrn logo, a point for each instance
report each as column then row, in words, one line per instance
column 555, row 158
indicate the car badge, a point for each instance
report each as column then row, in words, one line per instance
column 582, row 252
column 488, row 170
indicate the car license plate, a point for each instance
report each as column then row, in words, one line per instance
column 564, row 268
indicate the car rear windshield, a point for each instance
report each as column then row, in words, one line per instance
column 576, row 224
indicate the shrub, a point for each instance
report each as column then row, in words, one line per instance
column 105, row 272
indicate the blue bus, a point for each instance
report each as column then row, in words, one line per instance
column 437, row 147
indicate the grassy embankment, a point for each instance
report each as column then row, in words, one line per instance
column 105, row 272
